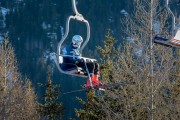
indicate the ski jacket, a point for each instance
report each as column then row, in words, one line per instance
column 74, row 52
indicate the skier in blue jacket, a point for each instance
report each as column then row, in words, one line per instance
column 74, row 50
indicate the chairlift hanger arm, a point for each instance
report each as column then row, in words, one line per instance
column 80, row 17
column 75, row 8
column 77, row 17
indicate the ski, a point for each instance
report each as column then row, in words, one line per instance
column 113, row 84
column 100, row 87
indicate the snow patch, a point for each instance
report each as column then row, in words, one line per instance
column 49, row 25
column 1, row 39
column 111, row 20
column 156, row 27
column 124, row 12
column 46, row 55
column 52, row 36
column 62, row 31
column 139, row 52
column 129, row 39
column 147, row 59
column 51, row 56
column 4, row 11
column 44, row 26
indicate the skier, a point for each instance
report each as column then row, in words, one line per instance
column 74, row 50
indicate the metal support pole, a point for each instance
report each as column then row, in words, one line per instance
column 173, row 17
column 151, row 64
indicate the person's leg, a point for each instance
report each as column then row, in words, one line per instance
column 96, row 68
column 94, row 78
column 90, row 66
column 96, row 71
column 96, row 75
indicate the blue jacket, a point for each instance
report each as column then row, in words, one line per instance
column 72, row 51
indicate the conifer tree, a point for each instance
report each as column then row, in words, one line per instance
column 17, row 100
column 8, row 64
column 30, row 101
column 51, row 108
column 91, row 110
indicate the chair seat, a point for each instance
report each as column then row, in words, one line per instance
column 166, row 42
column 72, row 69
column 175, row 42
column 67, row 67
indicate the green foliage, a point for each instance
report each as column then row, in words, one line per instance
column 92, row 109
column 109, row 47
column 52, row 109
column 107, row 52
column 132, row 101
column 17, row 97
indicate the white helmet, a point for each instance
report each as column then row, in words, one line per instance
column 77, row 40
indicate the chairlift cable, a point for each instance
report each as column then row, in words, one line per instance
column 105, row 86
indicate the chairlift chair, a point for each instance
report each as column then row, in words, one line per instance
column 69, row 68
column 175, row 41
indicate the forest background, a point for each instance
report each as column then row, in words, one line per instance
column 34, row 27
